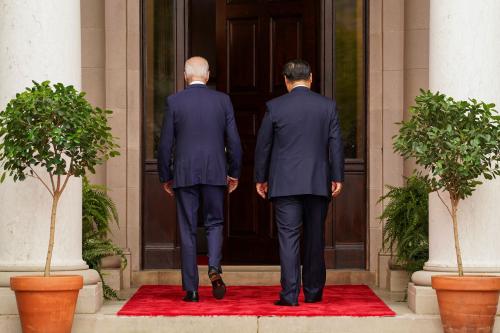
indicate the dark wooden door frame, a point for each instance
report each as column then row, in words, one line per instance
column 165, row 253
column 326, row 67
column 340, row 254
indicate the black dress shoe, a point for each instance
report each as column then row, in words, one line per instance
column 191, row 296
column 313, row 299
column 282, row 302
column 218, row 285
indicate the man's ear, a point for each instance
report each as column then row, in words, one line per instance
column 186, row 77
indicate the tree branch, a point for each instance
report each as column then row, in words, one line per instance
column 40, row 179
column 52, row 181
column 69, row 174
column 65, row 182
column 444, row 203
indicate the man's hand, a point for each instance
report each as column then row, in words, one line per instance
column 336, row 189
column 261, row 189
column 168, row 188
column 232, row 184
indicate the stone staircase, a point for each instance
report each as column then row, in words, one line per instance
column 106, row 321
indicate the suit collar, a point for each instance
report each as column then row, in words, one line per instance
column 299, row 89
column 197, row 85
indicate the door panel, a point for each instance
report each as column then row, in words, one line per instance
column 254, row 40
column 242, row 47
column 286, row 44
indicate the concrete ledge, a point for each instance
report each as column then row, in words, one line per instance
column 350, row 324
column 90, row 276
column 424, row 278
column 248, row 275
column 422, row 299
column 112, row 324
column 90, row 300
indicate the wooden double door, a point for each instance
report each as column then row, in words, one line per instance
column 253, row 40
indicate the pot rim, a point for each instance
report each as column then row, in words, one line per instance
column 50, row 283
column 466, row 283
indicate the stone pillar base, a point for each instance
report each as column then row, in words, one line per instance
column 90, row 298
column 423, row 300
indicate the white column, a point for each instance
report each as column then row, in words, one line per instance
column 463, row 63
column 39, row 40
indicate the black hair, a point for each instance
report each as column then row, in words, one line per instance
column 297, row 70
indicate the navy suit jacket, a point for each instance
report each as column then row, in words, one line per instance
column 199, row 142
column 299, row 147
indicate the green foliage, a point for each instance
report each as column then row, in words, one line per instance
column 53, row 127
column 93, row 250
column 457, row 141
column 406, row 228
column 98, row 212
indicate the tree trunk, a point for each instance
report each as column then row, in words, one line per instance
column 458, row 252
column 55, row 201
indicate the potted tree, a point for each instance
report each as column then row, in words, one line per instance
column 51, row 133
column 458, row 143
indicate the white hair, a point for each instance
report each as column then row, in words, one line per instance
column 196, row 67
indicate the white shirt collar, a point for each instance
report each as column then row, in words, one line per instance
column 300, row 85
column 197, row 82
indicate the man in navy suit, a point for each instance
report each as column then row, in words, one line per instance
column 299, row 164
column 199, row 156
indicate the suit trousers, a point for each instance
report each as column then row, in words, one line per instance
column 189, row 200
column 292, row 213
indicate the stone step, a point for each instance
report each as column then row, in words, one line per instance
column 106, row 321
column 248, row 275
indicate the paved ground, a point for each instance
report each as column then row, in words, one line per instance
column 107, row 322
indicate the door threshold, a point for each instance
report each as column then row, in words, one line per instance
column 242, row 275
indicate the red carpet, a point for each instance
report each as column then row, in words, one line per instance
column 339, row 300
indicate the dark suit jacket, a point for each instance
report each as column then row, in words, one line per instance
column 198, row 130
column 299, row 147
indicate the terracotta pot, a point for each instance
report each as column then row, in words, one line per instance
column 468, row 303
column 46, row 304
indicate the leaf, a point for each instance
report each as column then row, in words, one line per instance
column 56, row 128
column 457, row 141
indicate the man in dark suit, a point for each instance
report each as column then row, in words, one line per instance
column 199, row 156
column 299, row 164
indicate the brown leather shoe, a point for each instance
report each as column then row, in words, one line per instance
column 218, row 285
